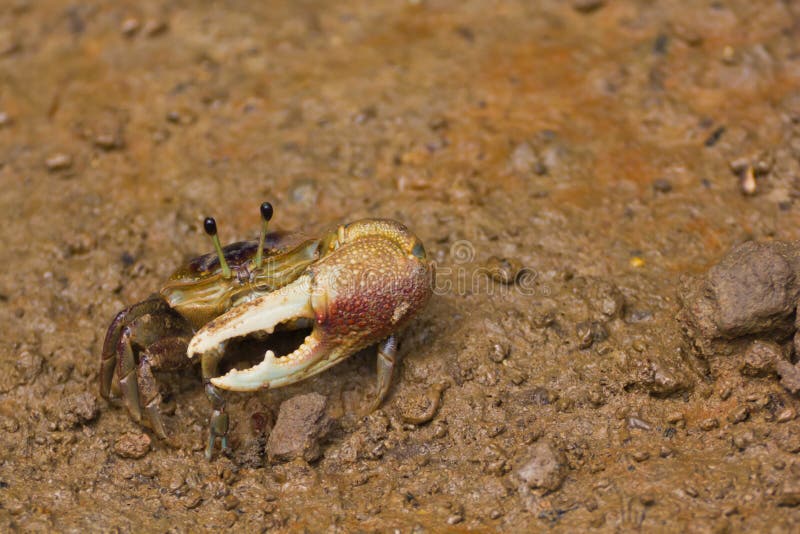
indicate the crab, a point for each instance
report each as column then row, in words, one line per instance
column 356, row 286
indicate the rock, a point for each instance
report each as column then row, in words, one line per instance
column 658, row 376
column 132, row 445
column 752, row 290
column 58, row 162
column 761, row 358
column 587, row 6
column 543, row 467
column 790, row 376
column 302, row 424
column 78, row 410
column 790, row 493
column 605, row 300
column 525, row 160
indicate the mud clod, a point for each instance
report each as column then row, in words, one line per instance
column 79, row 409
column 790, row 376
column 132, row 445
column 761, row 358
column 302, row 424
column 753, row 290
column 58, row 162
column 543, row 467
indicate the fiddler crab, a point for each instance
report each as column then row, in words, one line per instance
column 355, row 287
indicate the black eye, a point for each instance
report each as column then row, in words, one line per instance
column 418, row 250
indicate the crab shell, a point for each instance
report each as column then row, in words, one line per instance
column 359, row 284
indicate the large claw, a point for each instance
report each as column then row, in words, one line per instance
column 372, row 279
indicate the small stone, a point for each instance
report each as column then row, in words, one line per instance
column 78, row 410
column 5, row 119
column 524, row 160
column 495, row 514
column 739, row 414
column 587, row 6
column 544, row 467
column 455, row 519
column 193, row 499
column 130, row 26
column 786, row 415
column 108, row 141
column 499, row 352
column 132, row 445
column 302, row 424
column 747, row 183
column 790, row 376
column 153, row 28
column 662, row 185
column 761, row 358
column 790, row 493
column 641, row 456
column 58, row 162
column 743, row 440
column 230, row 502
column 709, row 424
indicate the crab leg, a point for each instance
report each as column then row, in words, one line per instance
column 387, row 357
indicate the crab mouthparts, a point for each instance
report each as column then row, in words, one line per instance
column 263, row 314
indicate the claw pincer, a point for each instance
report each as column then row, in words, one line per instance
column 357, row 285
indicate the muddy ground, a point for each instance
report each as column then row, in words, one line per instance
column 599, row 152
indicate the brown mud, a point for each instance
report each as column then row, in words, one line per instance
column 567, row 164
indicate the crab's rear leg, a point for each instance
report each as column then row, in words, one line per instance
column 145, row 337
column 167, row 354
column 108, row 360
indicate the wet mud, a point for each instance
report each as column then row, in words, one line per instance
column 575, row 169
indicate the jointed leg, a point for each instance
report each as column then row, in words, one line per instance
column 152, row 330
column 168, row 354
column 387, row 357
column 108, row 361
column 218, row 425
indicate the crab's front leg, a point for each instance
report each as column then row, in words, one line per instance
column 218, row 425
column 387, row 358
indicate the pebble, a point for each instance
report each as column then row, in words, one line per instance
column 544, row 467
column 455, row 519
column 154, row 27
column 790, row 376
column 743, row 440
column 5, row 119
column 132, row 445
column 58, row 162
column 193, row 499
column 786, row 415
column 587, row 6
column 230, row 502
column 130, row 26
column 709, row 424
column 739, row 414
column 641, row 456
column 499, row 352
column 302, row 424
column 760, row 358
column 662, row 186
